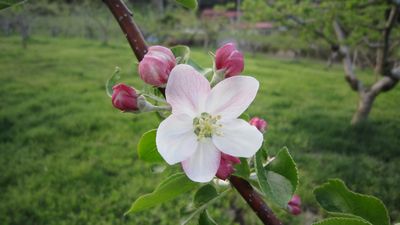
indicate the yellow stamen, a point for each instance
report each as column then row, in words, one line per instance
column 206, row 125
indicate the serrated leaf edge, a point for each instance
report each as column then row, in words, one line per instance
column 329, row 182
column 295, row 166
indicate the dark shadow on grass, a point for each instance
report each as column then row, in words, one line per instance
column 376, row 138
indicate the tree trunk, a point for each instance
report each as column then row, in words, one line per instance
column 364, row 107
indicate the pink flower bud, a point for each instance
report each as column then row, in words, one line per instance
column 125, row 98
column 156, row 65
column 226, row 166
column 228, row 58
column 261, row 124
column 294, row 205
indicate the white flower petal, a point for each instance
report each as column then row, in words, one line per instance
column 187, row 90
column 231, row 97
column 203, row 164
column 238, row 138
column 175, row 138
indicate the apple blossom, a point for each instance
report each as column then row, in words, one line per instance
column 261, row 124
column 204, row 122
column 294, row 205
column 156, row 65
column 226, row 164
column 229, row 60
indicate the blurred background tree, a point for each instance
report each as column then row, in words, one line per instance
column 363, row 33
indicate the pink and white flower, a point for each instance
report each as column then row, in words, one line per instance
column 204, row 122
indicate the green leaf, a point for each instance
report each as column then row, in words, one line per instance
column 205, row 219
column 169, row 189
column 147, row 148
column 204, row 194
column 8, row 3
column 342, row 221
column 242, row 169
column 284, row 165
column 338, row 200
column 191, row 4
column 113, row 81
column 278, row 180
column 181, row 53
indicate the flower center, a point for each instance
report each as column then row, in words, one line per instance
column 206, row 125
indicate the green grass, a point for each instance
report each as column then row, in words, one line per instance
column 68, row 157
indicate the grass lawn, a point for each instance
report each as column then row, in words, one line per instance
column 68, row 157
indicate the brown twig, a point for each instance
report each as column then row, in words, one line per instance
column 132, row 33
column 254, row 200
column 138, row 45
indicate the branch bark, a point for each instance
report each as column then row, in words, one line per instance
column 390, row 76
column 366, row 95
column 124, row 17
column 344, row 50
column 382, row 64
column 254, row 200
column 132, row 33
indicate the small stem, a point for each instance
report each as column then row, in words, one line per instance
column 155, row 98
column 163, row 108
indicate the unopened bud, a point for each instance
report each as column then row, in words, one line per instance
column 261, row 124
column 226, row 166
column 125, row 98
column 229, row 59
column 294, row 205
column 156, row 65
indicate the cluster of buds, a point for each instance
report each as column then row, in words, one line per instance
column 155, row 67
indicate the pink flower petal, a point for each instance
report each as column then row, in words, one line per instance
column 175, row 138
column 187, row 90
column 203, row 164
column 231, row 97
column 238, row 138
